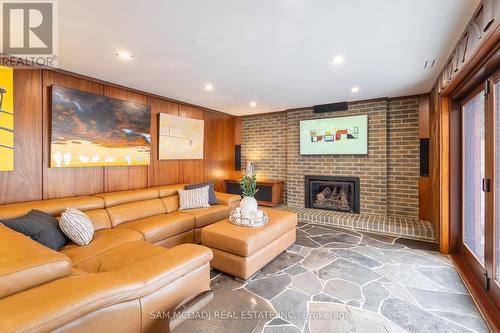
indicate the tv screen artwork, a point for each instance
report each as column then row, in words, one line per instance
column 334, row 136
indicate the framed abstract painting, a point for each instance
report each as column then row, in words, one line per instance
column 90, row 130
column 334, row 136
column 180, row 138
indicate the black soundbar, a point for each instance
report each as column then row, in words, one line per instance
column 333, row 107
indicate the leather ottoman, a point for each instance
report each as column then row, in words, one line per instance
column 242, row 251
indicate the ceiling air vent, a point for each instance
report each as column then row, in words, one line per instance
column 429, row 64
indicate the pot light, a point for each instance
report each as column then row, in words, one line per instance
column 124, row 55
column 253, row 104
column 355, row 90
column 209, row 87
column 337, row 60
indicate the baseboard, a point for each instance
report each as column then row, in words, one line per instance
column 488, row 310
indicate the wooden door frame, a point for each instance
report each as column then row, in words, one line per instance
column 450, row 181
column 467, row 254
column 490, row 232
column 449, row 110
column 445, row 242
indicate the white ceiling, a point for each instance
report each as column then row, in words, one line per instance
column 275, row 52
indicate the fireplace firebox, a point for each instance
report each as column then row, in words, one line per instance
column 332, row 193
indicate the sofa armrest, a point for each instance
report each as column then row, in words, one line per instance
column 73, row 297
column 231, row 200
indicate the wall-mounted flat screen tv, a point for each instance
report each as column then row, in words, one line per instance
column 334, row 136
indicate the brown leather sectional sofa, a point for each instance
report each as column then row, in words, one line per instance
column 139, row 265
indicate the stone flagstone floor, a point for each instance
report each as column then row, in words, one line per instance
column 336, row 280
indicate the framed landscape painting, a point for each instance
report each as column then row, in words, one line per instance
column 180, row 138
column 91, row 130
column 334, row 136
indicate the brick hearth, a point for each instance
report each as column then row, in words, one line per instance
column 404, row 227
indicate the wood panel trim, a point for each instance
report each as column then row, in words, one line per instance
column 434, row 160
column 455, row 229
column 423, row 116
column 486, row 307
column 444, row 172
column 475, row 61
column 238, row 131
column 487, row 65
column 424, row 182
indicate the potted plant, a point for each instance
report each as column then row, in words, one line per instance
column 248, row 204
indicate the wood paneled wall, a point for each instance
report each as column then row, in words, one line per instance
column 32, row 179
column 425, row 182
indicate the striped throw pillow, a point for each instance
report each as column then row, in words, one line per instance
column 197, row 198
column 76, row 226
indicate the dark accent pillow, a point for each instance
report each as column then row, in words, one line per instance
column 39, row 226
column 212, row 199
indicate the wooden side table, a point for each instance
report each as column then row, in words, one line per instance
column 270, row 191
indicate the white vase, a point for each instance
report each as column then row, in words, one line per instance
column 248, row 207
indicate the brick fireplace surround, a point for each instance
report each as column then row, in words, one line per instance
column 388, row 174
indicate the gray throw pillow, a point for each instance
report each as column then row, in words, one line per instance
column 39, row 226
column 212, row 199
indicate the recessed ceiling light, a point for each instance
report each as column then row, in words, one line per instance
column 337, row 60
column 124, row 55
column 355, row 90
column 209, row 87
column 253, row 104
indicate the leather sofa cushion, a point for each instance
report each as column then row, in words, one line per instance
column 245, row 241
column 123, row 256
column 135, row 211
column 100, row 218
column 170, row 190
column 80, row 295
column 171, row 203
column 169, row 264
column 25, row 264
column 122, row 197
column 103, row 241
column 53, row 207
column 120, row 257
column 160, row 227
column 206, row 216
